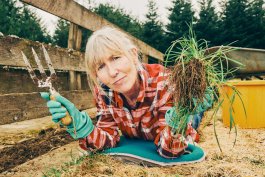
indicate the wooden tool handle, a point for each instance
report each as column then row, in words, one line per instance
column 67, row 120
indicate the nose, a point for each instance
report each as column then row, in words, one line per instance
column 112, row 70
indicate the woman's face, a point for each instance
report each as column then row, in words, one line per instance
column 118, row 72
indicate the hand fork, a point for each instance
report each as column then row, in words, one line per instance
column 45, row 81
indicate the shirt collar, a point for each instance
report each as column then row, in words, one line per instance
column 143, row 82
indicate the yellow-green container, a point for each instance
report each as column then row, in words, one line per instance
column 253, row 96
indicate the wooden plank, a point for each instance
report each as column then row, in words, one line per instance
column 78, row 40
column 62, row 59
column 19, row 81
column 72, row 80
column 25, row 106
column 74, row 42
column 75, row 13
column 144, row 58
column 74, row 37
column 78, row 81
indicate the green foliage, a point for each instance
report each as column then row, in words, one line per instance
column 22, row 22
column 184, row 52
column 85, row 35
column 153, row 33
column 60, row 36
column 256, row 21
column 66, row 166
column 208, row 24
column 241, row 22
column 120, row 18
column 114, row 15
column 61, row 33
column 236, row 24
column 180, row 16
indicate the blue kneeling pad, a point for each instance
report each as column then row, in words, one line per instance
column 144, row 152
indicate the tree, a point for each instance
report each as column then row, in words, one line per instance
column 152, row 29
column 32, row 28
column 180, row 18
column 236, row 23
column 85, row 35
column 61, row 32
column 256, row 19
column 120, row 18
column 208, row 24
column 114, row 15
column 9, row 17
column 21, row 21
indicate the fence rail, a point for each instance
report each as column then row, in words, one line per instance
column 87, row 19
column 19, row 96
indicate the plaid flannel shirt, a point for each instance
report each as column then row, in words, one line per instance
column 146, row 121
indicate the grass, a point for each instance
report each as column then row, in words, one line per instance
column 245, row 159
column 198, row 76
column 66, row 167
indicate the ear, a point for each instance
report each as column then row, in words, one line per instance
column 135, row 55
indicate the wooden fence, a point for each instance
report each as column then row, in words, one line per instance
column 19, row 97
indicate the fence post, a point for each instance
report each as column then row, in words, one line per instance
column 144, row 58
column 74, row 42
column 78, row 80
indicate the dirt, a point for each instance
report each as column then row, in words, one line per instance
column 21, row 142
column 245, row 158
column 46, row 141
column 188, row 79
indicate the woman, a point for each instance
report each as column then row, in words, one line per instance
column 130, row 96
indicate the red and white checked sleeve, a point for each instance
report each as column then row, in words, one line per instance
column 169, row 146
column 105, row 133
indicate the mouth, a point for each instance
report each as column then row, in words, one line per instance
column 118, row 81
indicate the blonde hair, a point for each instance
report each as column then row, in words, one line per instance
column 103, row 43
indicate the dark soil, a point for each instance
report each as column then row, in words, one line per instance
column 22, row 152
column 189, row 82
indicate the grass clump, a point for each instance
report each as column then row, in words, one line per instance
column 198, row 74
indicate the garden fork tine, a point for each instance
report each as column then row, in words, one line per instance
column 45, row 81
column 41, row 69
column 30, row 70
column 49, row 63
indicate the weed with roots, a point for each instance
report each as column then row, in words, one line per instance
column 196, row 73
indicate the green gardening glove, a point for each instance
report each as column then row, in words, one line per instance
column 81, row 125
column 206, row 104
column 173, row 118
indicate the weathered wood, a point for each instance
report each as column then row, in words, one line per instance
column 62, row 59
column 75, row 13
column 72, row 80
column 19, row 81
column 78, row 81
column 144, row 58
column 71, row 36
column 78, row 42
column 74, row 37
column 74, row 42
column 25, row 106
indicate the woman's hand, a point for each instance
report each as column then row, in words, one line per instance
column 81, row 125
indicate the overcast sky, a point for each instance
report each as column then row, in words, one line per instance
column 137, row 8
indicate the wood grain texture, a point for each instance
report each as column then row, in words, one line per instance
column 25, row 106
column 62, row 59
column 75, row 13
